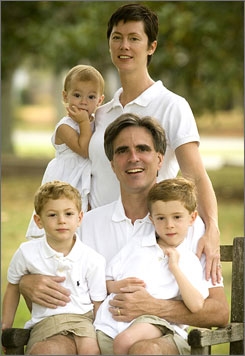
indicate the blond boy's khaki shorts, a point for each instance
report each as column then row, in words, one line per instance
column 106, row 342
column 62, row 324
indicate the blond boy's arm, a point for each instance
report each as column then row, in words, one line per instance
column 10, row 303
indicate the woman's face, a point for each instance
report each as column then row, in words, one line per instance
column 129, row 47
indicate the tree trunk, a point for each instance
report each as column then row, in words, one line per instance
column 7, row 114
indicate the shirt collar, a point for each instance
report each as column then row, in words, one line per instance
column 150, row 240
column 143, row 99
column 119, row 213
column 49, row 252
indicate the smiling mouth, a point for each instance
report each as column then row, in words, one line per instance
column 124, row 57
column 135, row 170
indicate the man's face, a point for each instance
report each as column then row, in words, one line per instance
column 135, row 161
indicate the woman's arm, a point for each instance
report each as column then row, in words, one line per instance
column 191, row 166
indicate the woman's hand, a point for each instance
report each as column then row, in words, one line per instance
column 206, row 245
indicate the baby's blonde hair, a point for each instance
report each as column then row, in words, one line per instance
column 85, row 73
column 55, row 190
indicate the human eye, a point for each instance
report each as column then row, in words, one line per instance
column 144, row 148
column 76, row 95
column 51, row 215
column 134, row 39
column 121, row 150
column 178, row 217
column 92, row 97
column 115, row 37
column 70, row 213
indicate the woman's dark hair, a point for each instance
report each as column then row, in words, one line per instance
column 136, row 12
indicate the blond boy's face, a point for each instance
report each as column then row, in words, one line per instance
column 171, row 220
column 60, row 219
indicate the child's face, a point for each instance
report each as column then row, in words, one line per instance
column 60, row 219
column 171, row 220
column 85, row 95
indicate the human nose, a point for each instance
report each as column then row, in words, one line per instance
column 61, row 219
column 133, row 156
column 124, row 44
column 83, row 99
column 169, row 223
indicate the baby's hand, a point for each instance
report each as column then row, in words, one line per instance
column 77, row 115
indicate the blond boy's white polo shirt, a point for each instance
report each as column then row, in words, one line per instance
column 83, row 268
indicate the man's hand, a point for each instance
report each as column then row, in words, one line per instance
column 209, row 245
column 131, row 303
column 44, row 290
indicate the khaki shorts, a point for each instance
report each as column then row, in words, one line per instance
column 62, row 324
column 106, row 342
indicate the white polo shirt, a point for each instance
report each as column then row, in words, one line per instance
column 144, row 259
column 83, row 268
column 107, row 230
column 175, row 116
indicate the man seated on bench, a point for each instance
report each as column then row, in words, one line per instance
column 135, row 146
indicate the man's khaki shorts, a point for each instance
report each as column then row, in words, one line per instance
column 62, row 324
column 106, row 342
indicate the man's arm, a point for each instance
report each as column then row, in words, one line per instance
column 136, row 301
column 192, row 167
column 44, row 290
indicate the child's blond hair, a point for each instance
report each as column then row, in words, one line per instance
column 55, row 190
column 179, row 189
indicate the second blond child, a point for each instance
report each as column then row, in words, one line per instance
column 161, row 262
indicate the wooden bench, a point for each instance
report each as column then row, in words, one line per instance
column 199, row 339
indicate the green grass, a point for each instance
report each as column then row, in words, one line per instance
column 17, row 205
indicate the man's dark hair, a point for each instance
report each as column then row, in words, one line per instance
column 126, row 120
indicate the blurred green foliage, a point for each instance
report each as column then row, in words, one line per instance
column 199, row 55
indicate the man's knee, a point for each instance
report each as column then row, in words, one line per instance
column 59, row 345
column 160, row 346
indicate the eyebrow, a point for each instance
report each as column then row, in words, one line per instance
column 141, row 146
column 128, row 34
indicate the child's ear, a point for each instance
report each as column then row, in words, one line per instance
column 101, row 100
column 38, row 221
column 80, row 217
column 64, row 94
column 193, row 217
